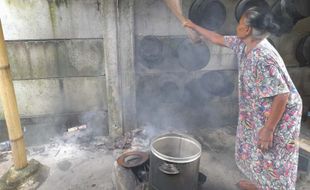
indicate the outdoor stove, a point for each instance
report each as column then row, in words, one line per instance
column 171, row 161
column 174, row 162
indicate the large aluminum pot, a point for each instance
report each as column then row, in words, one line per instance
column 174, row 162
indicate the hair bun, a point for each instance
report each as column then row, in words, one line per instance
column 270, row 25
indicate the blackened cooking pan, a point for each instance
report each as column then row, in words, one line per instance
column 210, row 14
column 244, row 5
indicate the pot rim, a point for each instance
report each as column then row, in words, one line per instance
column 178, row 160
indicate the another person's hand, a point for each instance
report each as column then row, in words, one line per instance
column 189, row 24
column 265, row 139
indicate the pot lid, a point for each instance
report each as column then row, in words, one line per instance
column 132, row 159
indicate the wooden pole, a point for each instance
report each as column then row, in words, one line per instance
column 9, row 103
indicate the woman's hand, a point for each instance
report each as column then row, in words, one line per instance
column 265, row 139
column 189, row 24
column 205, row 33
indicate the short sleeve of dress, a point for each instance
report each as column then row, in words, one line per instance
column 270, row 82
column 234, row 43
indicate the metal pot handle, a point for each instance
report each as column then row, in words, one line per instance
column 169, row 169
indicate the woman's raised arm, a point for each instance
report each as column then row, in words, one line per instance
column 207, row 34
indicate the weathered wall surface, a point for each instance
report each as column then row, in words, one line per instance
column 57, row 60
column 55, row 50
column 172, row 83
column 49, row 19
column 170, row 92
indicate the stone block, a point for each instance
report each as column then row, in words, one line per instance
column 56, row 58
column 85, row 58
column 34, row 59
column 19, row 60
column 57, row 19
column 37, row 97
column 43, row 57
column 84, row 93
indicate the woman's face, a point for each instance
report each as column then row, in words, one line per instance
column 243, row 30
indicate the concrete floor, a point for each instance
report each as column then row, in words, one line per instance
column 73, row 164
column 81, row 162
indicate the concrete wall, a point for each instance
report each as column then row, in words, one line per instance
column 56, row 54
column 191, row 108
column 186, row 103
column 55, row 50
column 49, row 19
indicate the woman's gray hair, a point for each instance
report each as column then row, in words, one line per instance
column 257, row 33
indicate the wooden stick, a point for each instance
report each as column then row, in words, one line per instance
column 9, row 103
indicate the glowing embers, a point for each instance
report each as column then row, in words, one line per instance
column 244, row 5
column 193, row 57
column 151, row 50
column 210, row 14
column 303, row 51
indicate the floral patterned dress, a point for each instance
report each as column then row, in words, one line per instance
column 262, row 75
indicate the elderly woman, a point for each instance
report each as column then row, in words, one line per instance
column 269, row 105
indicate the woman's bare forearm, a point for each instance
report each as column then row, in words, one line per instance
column 277, row 110
column 205, row 33
column 210, row 35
